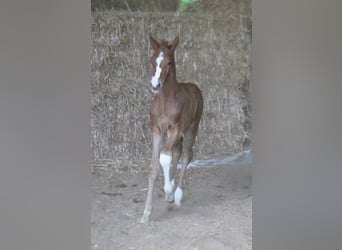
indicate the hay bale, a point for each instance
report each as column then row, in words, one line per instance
column 212, row 52
column 135, row 5
column 221, row 6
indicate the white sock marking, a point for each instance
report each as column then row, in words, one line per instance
column 173, row 183
column 165, row 162
column 145, row 218
column 178, row 196
column 155, row 78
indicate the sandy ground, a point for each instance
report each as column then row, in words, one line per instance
column 216, row 211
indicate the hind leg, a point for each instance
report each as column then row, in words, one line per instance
column 189, row 139
column 175, row 158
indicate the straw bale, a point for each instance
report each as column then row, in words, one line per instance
column 135, row 5
column 213, row 52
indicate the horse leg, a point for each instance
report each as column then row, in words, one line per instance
column 154, row 169
column 189, row 139
column 175, row 158
column 166, row 158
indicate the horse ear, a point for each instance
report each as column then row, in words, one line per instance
column 155, row 44
column 175, row 43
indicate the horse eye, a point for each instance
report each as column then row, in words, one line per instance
column 169, row 63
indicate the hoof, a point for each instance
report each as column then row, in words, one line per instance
column 145, row 218
column 169, row 197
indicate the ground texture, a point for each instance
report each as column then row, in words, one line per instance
column 216, row 211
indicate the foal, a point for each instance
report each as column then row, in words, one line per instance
column 175, row 115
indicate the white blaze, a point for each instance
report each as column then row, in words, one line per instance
column 155, row 78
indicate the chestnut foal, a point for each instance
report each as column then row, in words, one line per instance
column 175, row 115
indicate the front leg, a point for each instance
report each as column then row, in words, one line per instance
column 175, row 158
column 165, row 161
column 153, row 174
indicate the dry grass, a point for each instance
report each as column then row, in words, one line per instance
column 214, row 51
column 135, row 5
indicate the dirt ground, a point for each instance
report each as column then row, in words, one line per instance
column 216, row 211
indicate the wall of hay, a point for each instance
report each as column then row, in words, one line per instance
column 214, row 51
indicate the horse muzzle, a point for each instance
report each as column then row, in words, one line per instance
column 156, row 88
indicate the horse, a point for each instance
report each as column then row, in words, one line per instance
column 175, row 115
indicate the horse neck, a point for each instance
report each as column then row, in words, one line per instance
column 170, row 85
